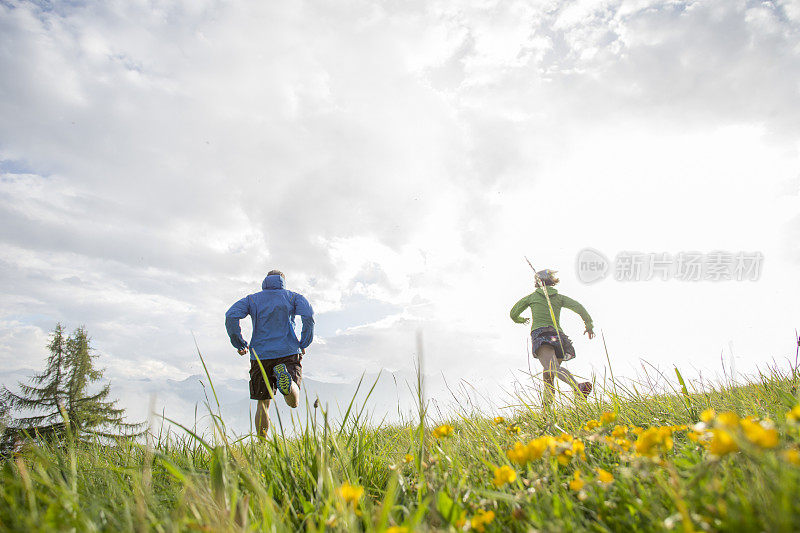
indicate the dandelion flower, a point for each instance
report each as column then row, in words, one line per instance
column 654, row 440
column 694, row 436
column 481, row 519
column 351, row 493
column 761, row 434
column 607, row 418
column 408, row 458
column 577, row 482
column 623, row 444
column 576, row 448
column 604, row 476
column 591, row 424
column 504, row 474
column 721, row 443
column 728, row 419
column 708, row 415
column 445, row 430
column 538, row 446
column 792, row 455
column 518, row 454
column 498, row 420
column 619, row 431
column 793, row 416
column 513, row 430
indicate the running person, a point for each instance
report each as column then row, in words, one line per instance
column 551, row 346
column 274, row 342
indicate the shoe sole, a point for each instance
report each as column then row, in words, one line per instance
column 284, row 379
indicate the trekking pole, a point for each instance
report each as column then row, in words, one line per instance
column 549, row 305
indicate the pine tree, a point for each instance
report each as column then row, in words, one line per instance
column 63, row 389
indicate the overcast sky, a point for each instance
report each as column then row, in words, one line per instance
column 396, row 160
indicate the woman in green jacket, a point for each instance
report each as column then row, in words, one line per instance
column 551, row 346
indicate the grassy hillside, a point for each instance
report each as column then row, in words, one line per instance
column 724, row 458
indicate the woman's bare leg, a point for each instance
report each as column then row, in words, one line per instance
column 552, row 368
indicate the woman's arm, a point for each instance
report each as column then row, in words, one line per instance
column 518, row 308
column 574, row 306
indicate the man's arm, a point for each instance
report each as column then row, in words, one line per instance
column 574, row 306
column 303, row 308
column 238, row 311
column 518, row 308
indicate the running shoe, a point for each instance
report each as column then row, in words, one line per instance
column 284, row 379
column 585, row 388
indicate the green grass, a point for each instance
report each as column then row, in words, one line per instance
column 285, row 484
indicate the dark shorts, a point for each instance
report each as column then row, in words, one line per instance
column 548, row 335
column 258, row 389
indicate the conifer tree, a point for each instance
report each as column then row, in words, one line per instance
column 63, row 390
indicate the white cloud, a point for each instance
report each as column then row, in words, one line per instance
column 396, row 161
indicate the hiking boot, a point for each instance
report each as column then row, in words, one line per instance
column 283, row 378
column 585, row 388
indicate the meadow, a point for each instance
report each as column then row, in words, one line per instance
column 697, row 457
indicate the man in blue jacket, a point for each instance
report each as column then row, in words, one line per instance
column 274, row 342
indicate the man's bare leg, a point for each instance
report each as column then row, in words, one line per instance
column 262, row 418
column 293, row 398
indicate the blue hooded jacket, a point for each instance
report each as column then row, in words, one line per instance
column 272, row 311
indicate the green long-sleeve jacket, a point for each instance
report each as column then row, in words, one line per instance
column 540, row 312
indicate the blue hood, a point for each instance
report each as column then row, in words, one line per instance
column 272, row 311
column 274, row 281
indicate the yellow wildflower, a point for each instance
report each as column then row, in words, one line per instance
column 518, row 454
column 792, row 455
column 793, row 416
column 607, row 418
column 513, row 430
column 351, row 493
column 397, row 529
column 637, row 430
column 538, row 446
column 708, row 415
column 591, row 424
column 694, row 436
column 624, row 444
column 619, row 431
column 728, row 419
column 721, row 443
column 499, row 420
column 445, row 430
column 504, row 474
column 653, row 440
column 481, row 519
column 579, row 448
column 577, row 483
column 576, row 448
column 762, row 434
column 604, row 476
column 408, row 458
column 535, row 449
